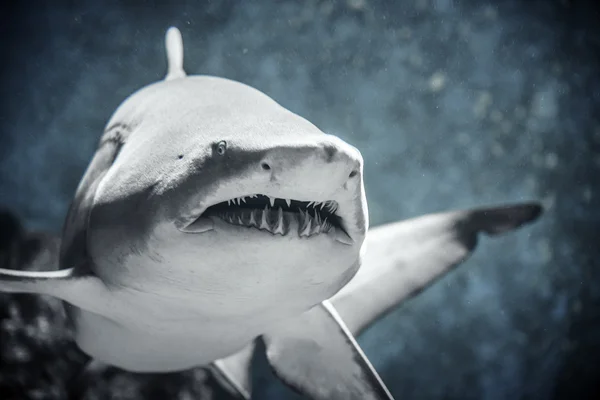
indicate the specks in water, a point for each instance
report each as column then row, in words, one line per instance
column 437, row 82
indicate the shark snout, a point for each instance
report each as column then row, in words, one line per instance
column 323, row 166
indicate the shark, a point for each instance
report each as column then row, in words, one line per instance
column 212, row 223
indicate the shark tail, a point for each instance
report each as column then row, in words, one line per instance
column 174, row 46
column 40, row 282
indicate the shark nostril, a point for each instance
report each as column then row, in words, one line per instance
column 353, row 173
column 265, row 166
column 330, row 151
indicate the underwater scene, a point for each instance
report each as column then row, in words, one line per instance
column 318, row 199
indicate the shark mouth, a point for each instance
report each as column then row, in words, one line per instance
column 276, row 215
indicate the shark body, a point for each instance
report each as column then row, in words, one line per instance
column 211, row 216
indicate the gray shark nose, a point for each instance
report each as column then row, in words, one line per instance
column 325, row 164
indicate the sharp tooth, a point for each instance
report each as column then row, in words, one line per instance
column 272, row 201
column 252, row 219
column 322, row 205
column 317, row 224
column 325, row 226
column 310, row 203
column 306, row 230
column 229, row 202
column 288, row 202
column 300, row 218
column 317, row 221
column 317, row 218
column 263, row 219
column 279, row 227
column 246, row 216
column 240, row 220
column 305, row 223
column 315, row 229
column 243, row 199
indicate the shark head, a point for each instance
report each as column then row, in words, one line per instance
column 217, row 189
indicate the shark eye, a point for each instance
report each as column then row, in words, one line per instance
column 221, row 147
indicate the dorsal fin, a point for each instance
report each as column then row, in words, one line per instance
column 174, row 46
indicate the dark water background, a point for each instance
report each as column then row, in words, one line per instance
column 452, row 103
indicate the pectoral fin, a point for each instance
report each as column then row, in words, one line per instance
column 405, row 257
column 32, row 259
column 28, row 260
column 234, row 372
column 317, row 356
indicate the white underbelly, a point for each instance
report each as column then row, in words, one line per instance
column 152, row 346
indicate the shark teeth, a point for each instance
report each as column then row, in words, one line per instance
column 263, row 220
column 279, row 226
column 328, row 205
column 278, row 222
column 309, row 225
column 252, row 221
column 239, row 200
column 331, row 206
column 278, row 215
column 275, row 221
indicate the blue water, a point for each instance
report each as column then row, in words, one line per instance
column 453, row 104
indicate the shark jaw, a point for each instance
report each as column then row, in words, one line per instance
column 276, row 216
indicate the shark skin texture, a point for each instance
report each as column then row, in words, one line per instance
column 216, row 184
